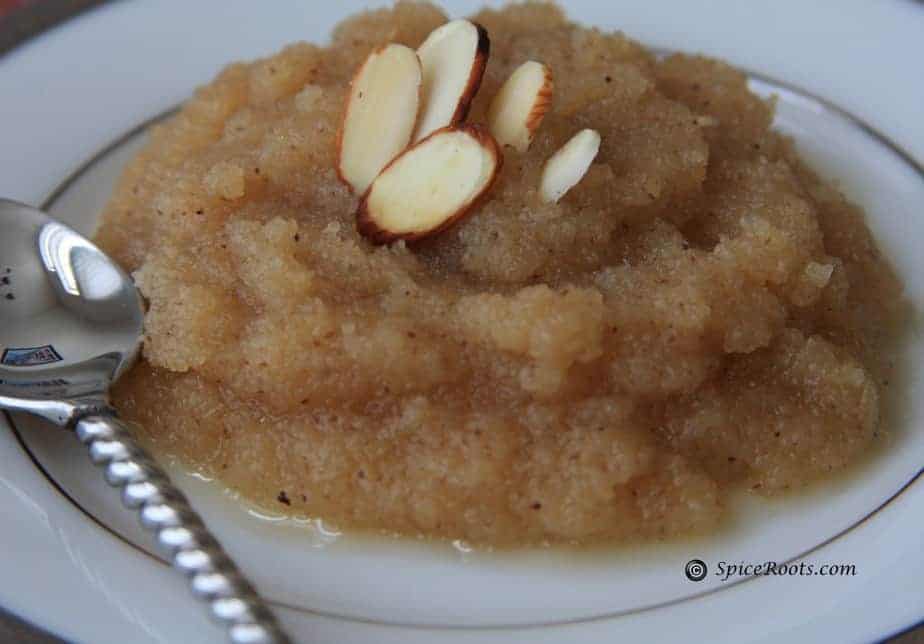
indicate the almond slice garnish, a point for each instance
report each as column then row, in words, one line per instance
column 453, row 58
column 380, row 114
column 517, row 109
column 430, row 186
column 567, row 167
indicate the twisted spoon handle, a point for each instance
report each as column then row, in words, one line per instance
column 179, row 530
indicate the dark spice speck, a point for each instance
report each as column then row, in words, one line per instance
column 283, row 498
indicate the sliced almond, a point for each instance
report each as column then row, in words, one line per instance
column 453, row 58
column 430, row 186
column 520, row 104
column 567, row 167
column 380, row 114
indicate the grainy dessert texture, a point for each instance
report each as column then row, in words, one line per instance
column 699, row 314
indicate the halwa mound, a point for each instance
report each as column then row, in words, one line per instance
column 698, row 314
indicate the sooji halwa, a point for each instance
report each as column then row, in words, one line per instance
column 698, row 313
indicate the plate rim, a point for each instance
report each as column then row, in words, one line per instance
column 30, row 21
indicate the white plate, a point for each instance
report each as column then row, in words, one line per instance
column 75, row 564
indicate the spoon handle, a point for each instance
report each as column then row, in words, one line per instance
column 165, row 511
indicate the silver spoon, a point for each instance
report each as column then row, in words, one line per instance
column 70, row 325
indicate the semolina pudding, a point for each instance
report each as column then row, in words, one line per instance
column 602, row 347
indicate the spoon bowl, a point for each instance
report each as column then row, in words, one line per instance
column 70, row 318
